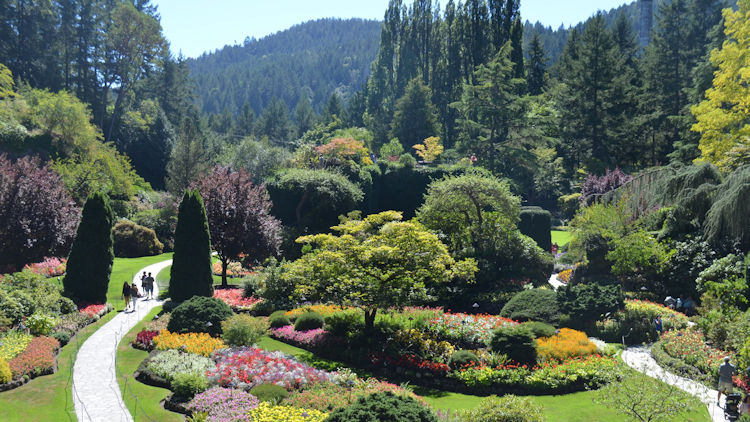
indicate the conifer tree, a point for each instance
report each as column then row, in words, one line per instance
column 415, row 117
column 92, row 254
column 191, row 265
column 537, row 66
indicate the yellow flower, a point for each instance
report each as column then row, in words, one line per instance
column 198, row 343
column 266, row 412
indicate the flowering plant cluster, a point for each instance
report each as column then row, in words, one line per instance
column 199, row 343
column 172, row 362
column 266, row 412
column 564, row 275
column 159, row 323
column 690, row 347
column 93, row 310
column 565, row 345
column 235, row 299
column 410, row 362
column 473, row 329
column 246, row 367
column 324, row 310
column 145, row 339
column 327, row 397
column 224, row 404
column 13, row 343
column 50, row 267
column 37, row 359
column 234, row 269
column 421, row 343
column 643, row 309
column 309, row 339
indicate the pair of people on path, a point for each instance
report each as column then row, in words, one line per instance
column 147, row 282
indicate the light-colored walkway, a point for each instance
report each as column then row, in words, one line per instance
column 639, row 358
column 96, row 394
column 555, row 282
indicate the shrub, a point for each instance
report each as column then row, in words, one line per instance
column 585, row 303
column 197, row 343
column 61, row 336
column 565, row 345
column 420, row 342
column 40, row 324
column 278, row 321
column 516, row 342
column 536, row 223
column 462, row 358
column 309, row 321
column 172, row 362
column 271, row 393
column 66, row 305
column 133, row 241
column 384, row 407
column 223, row 404
column 6, row 375
column 191, row 268
column 243, row 330
column 188, row 384
column 533, row 305
column 540, row 329
column 345, row 323
column 508, row 408
column 199, row 314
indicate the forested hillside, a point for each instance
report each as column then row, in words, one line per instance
column 312, row 60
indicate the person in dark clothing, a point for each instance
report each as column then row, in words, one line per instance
column 126, row 294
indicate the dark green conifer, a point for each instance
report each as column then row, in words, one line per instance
column 191, row 265
column 90, row 260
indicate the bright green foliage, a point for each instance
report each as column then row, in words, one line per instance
column 92, row 254
column 533, row 305
column 392, row 149
column 508, row 408
column 243, row 330
column 376, row 262
column 382, row 407
column 6, row 82
column 269, row 392
column 540, row 329
column 309, row 321
column 199, row 315
column 191, row 274
column 133, row 240
column 516, row 342
column 638, row 255
column 5, row 374
column 189, row 384
column 462, row 358
column 593, row 228
column 278, row 321
column 722, row 116
column 415, row 117
column 723, row 284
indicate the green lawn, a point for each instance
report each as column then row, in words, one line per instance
column 49, row 398
column 561, row 237
column 162, row 279
column 142, row 400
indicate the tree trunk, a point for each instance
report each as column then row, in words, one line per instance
column 370, row 319
column 224, row 265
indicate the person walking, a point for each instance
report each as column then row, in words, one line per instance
column 726, row 372
column 148, row 286
column 658, row 325
column 126, row 294
column 134, row 294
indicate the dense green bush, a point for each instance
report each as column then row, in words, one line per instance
column 243, row 330
column 536, row 223
column 40, row 324
column 345, row 323
column 269, row 392
column 278, row 320
column 162, row 221
column 62, row 336
column 66, row 305
column 199, row 314
column 309, row 321
column 270, row 284
column 508, row 408
column 516, row 342
column 462, row 358
column 533, row 305
column 188, row 384
column 383, row 407
column 133, row 241
column 540, row 329
column 191, row 273
column 587, row 303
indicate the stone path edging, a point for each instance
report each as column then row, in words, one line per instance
column 96, row 394
column 639, row 358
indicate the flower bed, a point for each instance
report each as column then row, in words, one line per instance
column 224, row 404
column 13, row 343
column 636, row 322
column 686, row 353
column 564, row 275
column 167, row 364
column 410, row 362
column 324, row 310
column 327, row 397
column 565, row 345
column 313, row 339
column 37, row 359
column 466, row 328
column 144, row 340
column 50, row 267
column 234, row 269
column 197, row 343
column 268, row 412
column 235, row 299
column 95, row 311
column 247, row 367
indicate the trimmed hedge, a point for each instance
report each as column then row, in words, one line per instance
column 133, row 241
column 199, row 314
column 309, row 321
column 533, row 305
column 537, row 224
column 516, row 342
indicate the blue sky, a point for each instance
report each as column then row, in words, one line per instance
column 195, row 26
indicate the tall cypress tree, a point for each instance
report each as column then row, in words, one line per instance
column 537, row 66
column 90, row 260
column 191, row 265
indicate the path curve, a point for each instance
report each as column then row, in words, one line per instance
column 555, row 282
column 639, row 358
column 96, row 393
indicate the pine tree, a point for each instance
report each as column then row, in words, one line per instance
column 92, row 254
column 191, row 273
column 537, row 66
column 516, row 55
column 304, row 116
column 188, row 158
column 415, row 118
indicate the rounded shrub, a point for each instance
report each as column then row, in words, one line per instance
column 508, row 408
column 516, row 342
column 6, row 375
column 345, row 323
column 309, row 321
column 199, row 314
column 462, row 358
column 269, row 392
column 278, row 320
column 383, row 407
column 66, row 305
column 533, row 305
column 62, row 336
column 243, row 330
column 133, row 241
column 41, row 324
column 540, row 329
column 188, row 384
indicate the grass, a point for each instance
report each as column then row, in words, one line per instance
column 162, row 279
column 143, row 401
column 561, row 237
column 49, row 398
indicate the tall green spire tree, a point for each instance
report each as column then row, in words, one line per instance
column 191, row 265
column 537, row 66
column 415, row 117
column 92, row 254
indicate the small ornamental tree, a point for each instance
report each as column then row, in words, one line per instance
column 191, row 265
column 374, row 263
column 239, row 217
column 90, row 260
column 38, row 217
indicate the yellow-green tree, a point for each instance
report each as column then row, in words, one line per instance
column 723, row 117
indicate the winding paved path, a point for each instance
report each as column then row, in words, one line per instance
column 639, row 358
column 96, row 393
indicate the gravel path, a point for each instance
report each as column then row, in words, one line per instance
column 639, row 358
column 96, row 394
column 555, row 282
